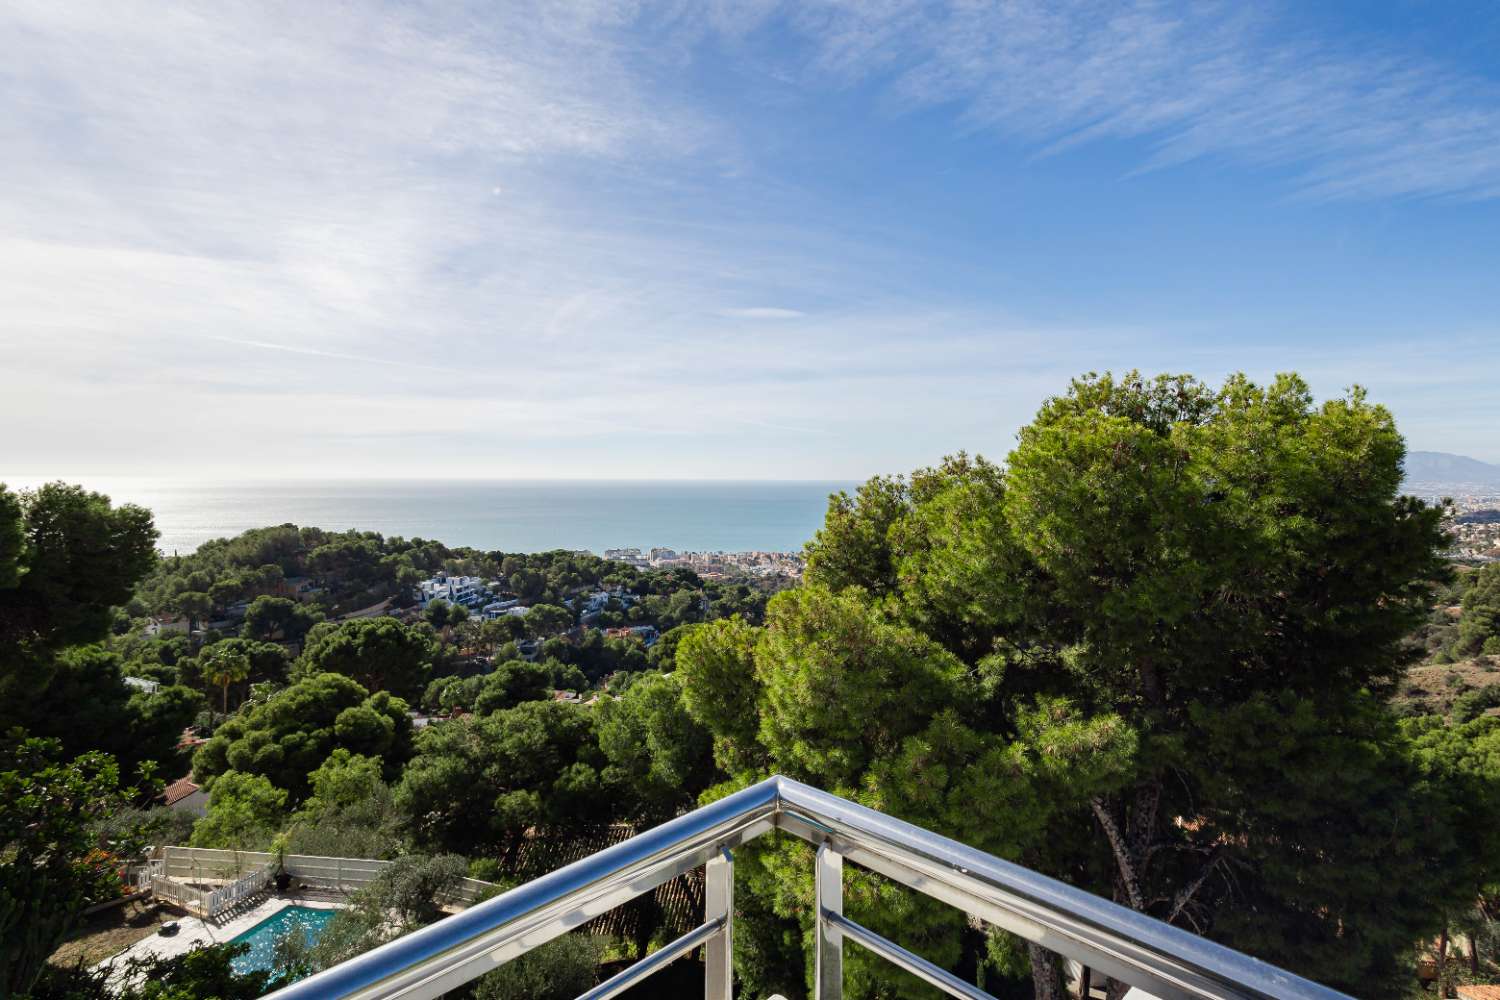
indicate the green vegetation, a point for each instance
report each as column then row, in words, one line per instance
column 1168, row 653
column 380, row 653
column 199, row 975
column 350, row 813
column 406, row 895
column 1145, row 658
column 480, row 784
column 561, row 969
column 53, row 865
column 286, row 737
column 657, row 753
column 1479, row 628
column 244, row 812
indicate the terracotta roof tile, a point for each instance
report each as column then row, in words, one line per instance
column 179, row 790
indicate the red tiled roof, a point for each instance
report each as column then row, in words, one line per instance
column 179, row 790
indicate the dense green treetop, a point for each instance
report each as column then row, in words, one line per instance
column 86, row 705
column 67, row 558
column 381, row 653
column 267, row 661
column 245, row 812
column 344, row 779
column 543, row 620
column 292, row 733
column 1171, row 594
column 350, row 812
column 279, row 618
column 478, row 784
column 511, row 683
column 596, row 656
column 659, row 756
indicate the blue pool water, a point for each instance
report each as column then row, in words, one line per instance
column 263, row 936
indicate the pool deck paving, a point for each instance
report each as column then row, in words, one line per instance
column 195, row 933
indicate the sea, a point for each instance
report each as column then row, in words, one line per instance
column 493, row 515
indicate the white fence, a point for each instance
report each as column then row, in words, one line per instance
column 229, row 896
column 192, row 899
column 336, row 874
column 141, row 875
column 200, row 901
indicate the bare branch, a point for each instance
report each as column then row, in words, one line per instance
column 1123, row 861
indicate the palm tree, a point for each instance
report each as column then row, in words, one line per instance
column 223, row 667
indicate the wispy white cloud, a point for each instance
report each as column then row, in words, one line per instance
column 762, row 312
column 292, row 237
column 1191, row 79
column 265, row 345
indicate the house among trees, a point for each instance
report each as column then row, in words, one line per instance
column 186, row 796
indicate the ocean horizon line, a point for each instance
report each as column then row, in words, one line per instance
column 31, row 479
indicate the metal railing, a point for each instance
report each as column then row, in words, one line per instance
column 1162, row 960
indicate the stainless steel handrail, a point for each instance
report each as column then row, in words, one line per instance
column 1162, row 960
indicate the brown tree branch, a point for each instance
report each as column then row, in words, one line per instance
column 1124, row 862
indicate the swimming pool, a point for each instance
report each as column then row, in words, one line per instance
column 263, row 936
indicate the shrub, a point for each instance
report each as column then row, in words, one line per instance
column 561, row 969
column 1473, row 704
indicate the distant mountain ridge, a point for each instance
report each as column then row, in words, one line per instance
column 1441, row 467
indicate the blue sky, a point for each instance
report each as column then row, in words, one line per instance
column 745, row 240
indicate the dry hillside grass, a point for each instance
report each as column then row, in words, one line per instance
column 106, row 934
column 1434, row 687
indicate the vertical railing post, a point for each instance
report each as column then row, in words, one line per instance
column 828, row 880
column 718, row 952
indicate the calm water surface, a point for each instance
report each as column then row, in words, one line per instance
column 511, row 516
column 305, row 920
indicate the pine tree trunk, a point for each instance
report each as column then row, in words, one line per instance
column 1442, row 964
column 1046, row 977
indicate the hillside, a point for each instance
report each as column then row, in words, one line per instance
column 1441, row 467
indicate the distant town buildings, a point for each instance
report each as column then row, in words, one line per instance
column 713, row 565
column 717, row 565
column 1475, row 521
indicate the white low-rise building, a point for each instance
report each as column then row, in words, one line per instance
column 470, row 591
